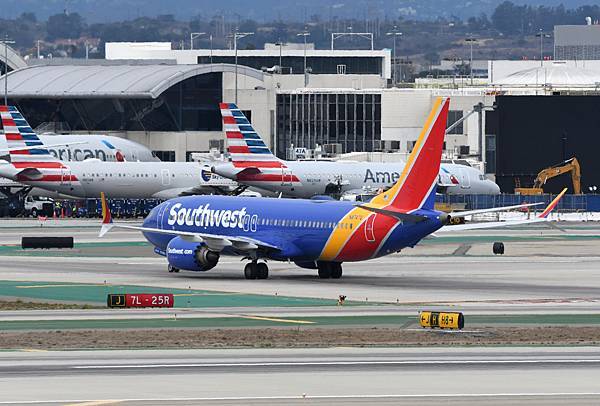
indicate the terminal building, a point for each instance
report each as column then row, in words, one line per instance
column 166, row 99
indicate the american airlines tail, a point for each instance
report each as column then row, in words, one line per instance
column 415, row 188
column 25, row 161
column 246, row 148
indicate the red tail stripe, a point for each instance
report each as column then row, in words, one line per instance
column 229, row 120
column 20, row 152
column 8, row 122
column 13, row 137
column 234, row 134
column 239, row 149
column 224, row 106
column 4, row 108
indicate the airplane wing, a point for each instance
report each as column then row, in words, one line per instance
column 542, row 218
column 213, row 241
column 492, row 210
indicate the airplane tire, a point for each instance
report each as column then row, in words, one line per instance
column 498, row 248
column 336, row 270
column 262, row 271
column 172, row 269
column 250, row 271
column 324, row 270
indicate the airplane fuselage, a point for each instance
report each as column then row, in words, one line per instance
column 138, row 180
column 304, row 230
column 305, row 179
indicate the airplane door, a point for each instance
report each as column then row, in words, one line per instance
column 465, row 180
column 286, row 177
column 159, row 218
column 369, row 228
column 65, row 176
column 166, row 177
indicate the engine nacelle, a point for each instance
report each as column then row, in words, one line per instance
column 191, row 256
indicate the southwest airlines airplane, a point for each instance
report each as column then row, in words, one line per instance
column 29, row 162
column 253, row 164
column 193, row 232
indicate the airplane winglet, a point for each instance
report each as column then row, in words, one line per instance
column 552, row 205
column 107, row 224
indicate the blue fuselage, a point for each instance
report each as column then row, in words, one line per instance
column 301, row 230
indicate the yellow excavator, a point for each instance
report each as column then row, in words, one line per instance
column 570, row 165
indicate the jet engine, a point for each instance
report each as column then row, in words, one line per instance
column 191, row 256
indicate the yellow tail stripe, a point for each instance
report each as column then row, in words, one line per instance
column 386, row 197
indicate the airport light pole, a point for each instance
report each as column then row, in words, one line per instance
column 280, row 45
column 395, row 33
column 238, row 35
column 471, row 40
column 542, row 34
column 6, row 42
column 305, row 34
column 193, row 36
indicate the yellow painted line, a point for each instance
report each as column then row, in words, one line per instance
column 95, row 403
column 208, row 294
column 32, row 350
column 59, row 286
column 278, row 320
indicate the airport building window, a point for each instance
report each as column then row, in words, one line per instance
column 165, row 156
column 453, row 117
column 349, row 119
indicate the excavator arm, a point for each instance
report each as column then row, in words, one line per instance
column 570, row 165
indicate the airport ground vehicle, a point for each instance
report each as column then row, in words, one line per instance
column 569, row 166
column 38, row 206
column 193, row 232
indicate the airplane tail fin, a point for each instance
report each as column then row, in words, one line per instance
column 107, row 222
column 415, row 188
column 20, row 138
column 245, row 146
column 552, row 205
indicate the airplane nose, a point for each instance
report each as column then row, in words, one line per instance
column 495, row 188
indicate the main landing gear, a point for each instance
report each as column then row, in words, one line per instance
column 256, row 270
column 328, row 270
column 172, row 269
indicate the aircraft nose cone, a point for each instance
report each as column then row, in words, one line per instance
column 495, row 188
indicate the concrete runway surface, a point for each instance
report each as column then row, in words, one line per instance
column 509, row 375
column 544, row 271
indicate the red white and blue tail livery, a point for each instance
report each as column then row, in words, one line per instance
column 193, row 232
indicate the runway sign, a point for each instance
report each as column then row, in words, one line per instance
column 140, row 300
column 443, row 320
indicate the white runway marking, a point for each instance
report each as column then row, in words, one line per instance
column 340, row 363
column 314, row 397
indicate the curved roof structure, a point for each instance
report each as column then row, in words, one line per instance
column 107, row 81
column 14, row 59
column 557, row 75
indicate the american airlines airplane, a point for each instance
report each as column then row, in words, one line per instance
column 37, row 167
column 79, row 147
column 193, row 232
column 253, row 164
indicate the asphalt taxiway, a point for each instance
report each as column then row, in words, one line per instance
column 555, row 375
